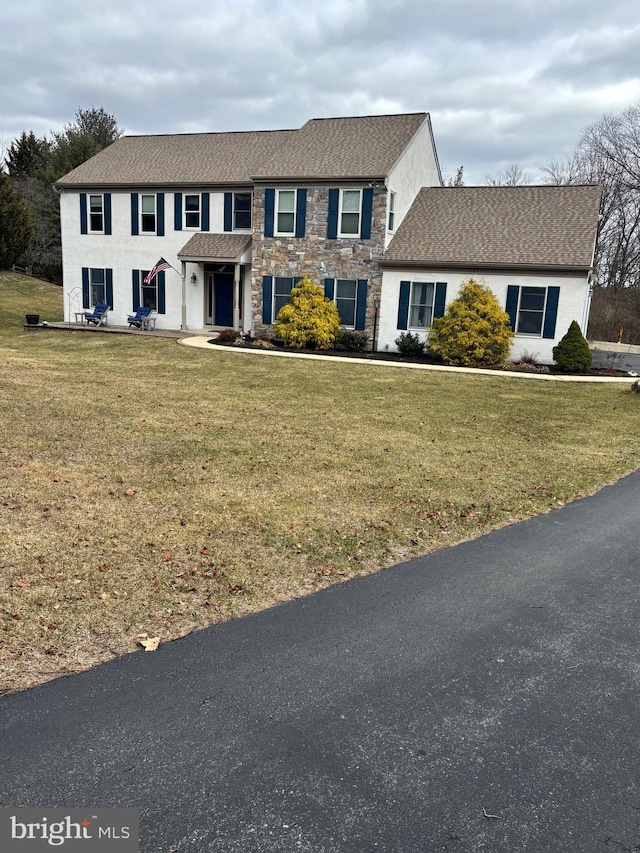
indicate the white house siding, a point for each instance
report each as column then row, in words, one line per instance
column 416, row 168
column 573, row 295
column 123, row 252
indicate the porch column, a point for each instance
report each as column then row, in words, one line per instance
column 236, row 296
column 183, row 326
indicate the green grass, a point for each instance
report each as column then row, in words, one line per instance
column 149, row 489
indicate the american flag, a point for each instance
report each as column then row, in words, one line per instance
column 161, row 265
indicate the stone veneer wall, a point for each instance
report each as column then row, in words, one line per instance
column 316, row 256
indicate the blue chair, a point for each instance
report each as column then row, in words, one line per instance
column 98, row 316
column 139, row 317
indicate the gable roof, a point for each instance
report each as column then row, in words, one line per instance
column 209, row 246
column 358, row 147
column 491, row 227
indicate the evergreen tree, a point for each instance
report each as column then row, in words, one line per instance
column 26, row 156
column 309, row 319
column 16, row 224
column 474, row 329
column 572, row 354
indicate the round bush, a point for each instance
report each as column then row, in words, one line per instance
column 572, row 354
column 308, row 319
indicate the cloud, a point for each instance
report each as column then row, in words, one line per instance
column 505, row 80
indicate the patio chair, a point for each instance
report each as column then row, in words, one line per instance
column 98, row 316
column 139, row 317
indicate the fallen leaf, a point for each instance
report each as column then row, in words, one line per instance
column 16, row 616
column 131, row 492
column 150, row 644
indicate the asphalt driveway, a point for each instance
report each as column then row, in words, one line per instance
column 484, row 698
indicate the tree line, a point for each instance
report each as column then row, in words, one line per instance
column 29, row 205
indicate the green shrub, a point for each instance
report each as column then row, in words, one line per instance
column 309, row 319
column 409, row 343
column 474, row 329
column 349, row 340
column 572, row 354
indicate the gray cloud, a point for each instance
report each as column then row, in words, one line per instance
column 505, row 80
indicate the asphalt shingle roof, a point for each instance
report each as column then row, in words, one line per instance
column 206, row 246
column 361, row 147
column 532, row 226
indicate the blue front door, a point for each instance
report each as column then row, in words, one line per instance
column 223, row 299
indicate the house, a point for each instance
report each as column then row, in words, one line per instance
column 357, row 204
column 532, row 245
column 241, row 217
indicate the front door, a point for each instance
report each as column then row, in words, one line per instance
column 223, row 299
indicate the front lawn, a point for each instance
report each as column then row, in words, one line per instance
column 149, row 489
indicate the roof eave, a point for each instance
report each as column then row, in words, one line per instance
column 155, row 185
column 390, row 263
column 325, row 179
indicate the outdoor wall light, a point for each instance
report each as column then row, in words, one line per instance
column 194, row 278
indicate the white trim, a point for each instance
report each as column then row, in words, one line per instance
column 544, row 312
column 411, row 303
column 142, row 232
column 91, row 230
column 391, row 213
column 276, row 212
column 356, row 234
column 185, row 212
column 233, row 212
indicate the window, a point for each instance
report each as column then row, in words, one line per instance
column 286, row 212
column 96, row 214
column 148, row 214
column 349, row 217
column 97, row 287
column 531, row 310
column 242, row 211
column 392, row 211
column 148, row 292
column 191, row 211
column 421, row 304
column 346, row 290
column 281, row 293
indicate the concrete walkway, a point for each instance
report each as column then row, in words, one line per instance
column 203, row 342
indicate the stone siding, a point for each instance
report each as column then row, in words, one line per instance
column 316, row 256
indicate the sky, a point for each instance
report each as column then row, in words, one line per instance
column 505, row 81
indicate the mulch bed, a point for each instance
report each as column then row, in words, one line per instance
column 423, row 359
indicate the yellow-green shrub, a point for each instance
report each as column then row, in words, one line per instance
column 309, row 319
column 474, row 329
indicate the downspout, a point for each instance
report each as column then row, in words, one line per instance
column 587, row 302
column 183, row 326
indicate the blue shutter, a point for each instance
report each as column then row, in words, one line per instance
column 109, row 282
column 361, row 303
column 551, row 314
column 269, row 205
column 86, row 301
column 136, row 289
column 83, row 213
column 135, row 225
column 403, row 305
column 440, row 300
column 367, row 210
column 161, row 293
column 332, row 219
column 228, row 211
column 205, row 212
column 107, row 213
column 301, row 212
column 267, row 298
column 329, row 287
column 296, row 279
column 177, row 211
column 513, row 292
column 160, row 214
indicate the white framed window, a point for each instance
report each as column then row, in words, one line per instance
column 421, row 303
column 285, row 212
column 350, row 213
column 96, row 214
column 148, row 292
column 147, row 214
column 345, row 299
column 97, row 287
column 392, row 211
column 242, row 211
column 531, row 307
column 192, row 211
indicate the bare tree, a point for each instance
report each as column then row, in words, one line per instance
column 512, row 175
